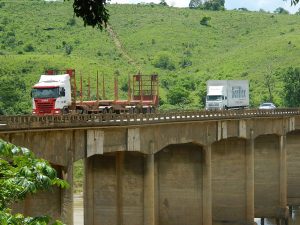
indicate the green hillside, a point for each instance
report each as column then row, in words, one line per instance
column 169, row 41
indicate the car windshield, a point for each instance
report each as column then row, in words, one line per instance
column 45, row 92
column 214, row 98
column 266, row 104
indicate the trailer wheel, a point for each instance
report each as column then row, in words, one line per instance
column 136, row 110
column 130, row 110
column 152, row 110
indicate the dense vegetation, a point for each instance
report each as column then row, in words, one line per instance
column 22, row 174
column 186, row 47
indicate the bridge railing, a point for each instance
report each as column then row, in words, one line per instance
column 90, row 120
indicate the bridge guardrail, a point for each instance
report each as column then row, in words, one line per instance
column 97, row 120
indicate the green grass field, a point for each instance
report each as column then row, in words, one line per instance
column 36, row 35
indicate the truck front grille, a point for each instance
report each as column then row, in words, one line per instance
column 45, row 107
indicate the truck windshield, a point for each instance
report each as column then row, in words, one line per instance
column 214, row 98
column 45, row 92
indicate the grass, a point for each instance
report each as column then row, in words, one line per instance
column 234, row 45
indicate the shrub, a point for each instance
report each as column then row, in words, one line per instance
column 68, row 49
column 185, row 62
column 204, row 21
column 178, row 95
column 29, row 48
column 164, row 61
column 71, row 22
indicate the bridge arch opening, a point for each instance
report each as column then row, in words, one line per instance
column 269, row 201
column 179, row 184
column 293, row 168
column 229, row 181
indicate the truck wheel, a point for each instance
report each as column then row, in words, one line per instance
column 65, row 110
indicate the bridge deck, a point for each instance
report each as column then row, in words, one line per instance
column 30, row 122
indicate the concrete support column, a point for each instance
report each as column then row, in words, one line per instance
column 119, row 174
column 207, row 187
column 250, row 179
column 149, row 190
column 283, row 177
column 88, row 192
column 67, row 194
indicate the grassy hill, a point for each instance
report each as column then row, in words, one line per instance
column 170, row 41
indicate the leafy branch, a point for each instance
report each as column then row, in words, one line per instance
column 21, row 174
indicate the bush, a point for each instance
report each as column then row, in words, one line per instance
column 164, row 61
column 185, row 62
column 71, row 22
column 68, row 49
column 204, row 21
column 178, row 95
column 29, row 48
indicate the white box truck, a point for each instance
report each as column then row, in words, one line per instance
column 227, row 94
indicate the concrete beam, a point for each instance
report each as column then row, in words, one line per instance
column 95, row 142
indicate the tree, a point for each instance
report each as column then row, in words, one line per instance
column 178, row 95
column 281, row 10
column 269, row 82
column 163, row 3
column 93, row 12
column 21, row 174
column 195, row 4
column 291, row 87
column 214, row 5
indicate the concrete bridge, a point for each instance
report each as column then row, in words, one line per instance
column 184, row 168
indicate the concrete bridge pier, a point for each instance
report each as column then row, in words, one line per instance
column 271, row 177
column 293, row 169
column 233, row 181
column 149, row 190
column 207, row 186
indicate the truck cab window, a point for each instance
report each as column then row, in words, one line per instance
column 45, row 93
column 62, row 92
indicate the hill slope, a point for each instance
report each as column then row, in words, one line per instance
column 147, row 38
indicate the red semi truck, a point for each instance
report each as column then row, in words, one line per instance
column 56, row 93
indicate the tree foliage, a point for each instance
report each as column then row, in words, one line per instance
column 195, row 4
column 21, row 174
column 163, row 3
column 164, row 61
column 205, row 20
column 214, row 5
column 281, row 10
column 93, row 12
column 178, row 95
column 12, row 98
column 291, row 79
